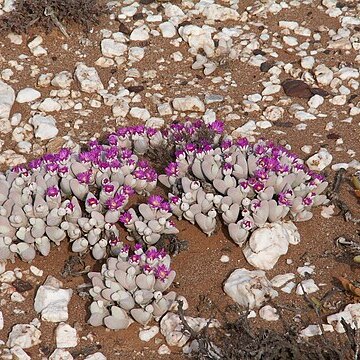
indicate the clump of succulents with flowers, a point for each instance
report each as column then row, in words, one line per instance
column 86, row 197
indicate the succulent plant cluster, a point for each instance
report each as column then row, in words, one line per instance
column 85, row 197
column 75, row 196
column 248, row 185
column 152, row 221
column 131, row 287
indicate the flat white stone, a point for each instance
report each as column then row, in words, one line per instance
column 307, row 62
column 316, row 101
column 7, row 99
column 19, row 353
column 62, row 80
column 273, row 113
column 45, row 127
column 140, row 113
column 291, row 25
column 249, row 288
column 96, row 356
column 290, row 40
column 268, row 243
column 308, row 286
column 282, row 279
column 1, row 320
column 88, row 78
column 147, row 334
column 140, row 33
column 51, row 301
column 24, row 335
column 167, row 29
column 61, row 354
column 27, row 95
column 49, row 105
column 164, row 350
column 66, row 336
column 271, row 89
column 112, row 48
column 269, row 313
column 351, row 315
column 288, row 287
column 188, row 103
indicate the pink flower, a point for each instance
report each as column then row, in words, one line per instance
column 162, row 272
column 52, row 191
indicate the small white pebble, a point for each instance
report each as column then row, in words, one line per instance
column 224, row 259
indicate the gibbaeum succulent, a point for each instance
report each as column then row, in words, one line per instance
column 131, row 286
column 84, row 197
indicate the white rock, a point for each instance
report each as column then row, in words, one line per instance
column 7, row 99
column 88, row 78
column 66, row 336
column 167, row 29
column 347, row 73
column 291, row 25
column 282, row 279
column 305, row 270
column 188, row 103
column 52, row 301
column 288, row 287
column 216, row 12
column 224, row 259
column 351, row 315
column 308, row 286
column 171, row 327
column 96, row 356
column 19, row 354
column 273, row 113
column 164, row 109
column 249, row 288
column 320, row 160
column 62, row 80
column 323, row 75
column 199, row 38
column 290, row 40
column 307, row 62
column 120, row 108
column 36, row 271
column 147, row 334
column 339, row 100
column 268, row 243
column 1, row 320
column 27, row 95
column 60, row 354
column 24, row 335
column 271, row 89
column 304, row 116
column 164, row 350
column 7, row 277
column 49, row 105
column 140, row 33
column 45, row 127
column 140, row 113
column 269, row 313
column 15, row 38
column 313, row 330
column 316, row 101
column 112, row 48
column 8, row 5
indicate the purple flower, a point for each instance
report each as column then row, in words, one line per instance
column 92, row 202
column 126, row 153
column 113, row 140
column 283, row 199
column 139, row 174
column 152, row 254
column 84, row 177
column 172, row 169
column 217, row 126
column 226, row 144
column 134, row 259
column 49, row 158
column 247, row 223
column 261, row 174
column 162, row 272
column 190, row 148
column 70, row 206
column 174, row 199
column 147, row 269
column 150, row 175
column 165, row 206
column 151, row 132
column 115, row 165
column 308, row 200
column 116, row 202
column 127, row 190
column 64, row 154
column 52, row 191
column 180, row 154
column 125, row 218
column 155, row 201
column 63, row 170
column 143, row 164
column 258, row 186
column 112, row 152
column 35, row 165
column 242, row 143
column 51, row 168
